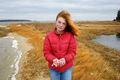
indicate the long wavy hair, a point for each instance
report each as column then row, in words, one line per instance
column 70, row 25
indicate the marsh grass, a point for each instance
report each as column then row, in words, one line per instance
column 92, row 61
column 3, row 32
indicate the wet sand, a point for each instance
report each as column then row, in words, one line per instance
column 24, row 47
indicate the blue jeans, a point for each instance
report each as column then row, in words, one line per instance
column 65, row 75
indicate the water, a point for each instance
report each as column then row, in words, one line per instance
column 9, row 58
column 4, row 23
column 111, row 41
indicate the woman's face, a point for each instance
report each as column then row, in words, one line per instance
column 61, row 24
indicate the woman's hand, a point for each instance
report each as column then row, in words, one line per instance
column 55, row 62
column 59, row 63
column 62, row 62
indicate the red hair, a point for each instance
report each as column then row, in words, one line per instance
column 70, row 25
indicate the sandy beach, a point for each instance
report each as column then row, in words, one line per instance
column 93, row 61
column 24, row 47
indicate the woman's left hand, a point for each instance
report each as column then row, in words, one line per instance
column 62, row 62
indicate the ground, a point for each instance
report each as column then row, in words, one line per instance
column 93, row 61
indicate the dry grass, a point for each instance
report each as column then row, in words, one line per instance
column 92, row 62
column 3, row 32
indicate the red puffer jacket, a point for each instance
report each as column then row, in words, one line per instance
column 59, row 46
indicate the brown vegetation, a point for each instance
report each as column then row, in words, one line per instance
column 92, row 62
column 3, row 32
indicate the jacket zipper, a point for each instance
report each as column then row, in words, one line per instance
column 59, row 44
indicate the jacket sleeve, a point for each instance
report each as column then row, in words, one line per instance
column 47, row 50
column 71, row 50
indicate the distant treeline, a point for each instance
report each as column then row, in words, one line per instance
column 118, row 16
column 13, row 20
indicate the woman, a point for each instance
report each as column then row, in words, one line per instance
column 60, row 47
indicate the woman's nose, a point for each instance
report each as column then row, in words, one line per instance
column 61, row 24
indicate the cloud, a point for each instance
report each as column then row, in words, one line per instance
column 91, row 16
column 48, row 9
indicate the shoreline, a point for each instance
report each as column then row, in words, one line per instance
column 27, row 47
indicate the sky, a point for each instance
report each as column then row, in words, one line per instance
column 47, row 10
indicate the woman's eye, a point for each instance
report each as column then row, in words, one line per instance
column 59, row 22
column 64, row 23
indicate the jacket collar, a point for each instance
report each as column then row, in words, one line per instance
column 57, row 33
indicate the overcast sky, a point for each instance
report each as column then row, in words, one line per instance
column 47, row 10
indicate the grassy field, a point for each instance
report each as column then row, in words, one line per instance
column 93, row 61
column 3, row 32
